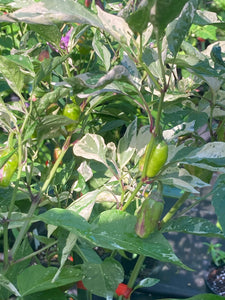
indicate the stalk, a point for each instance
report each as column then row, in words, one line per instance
column 136, row 271
column 175, row 207
column 36, row 199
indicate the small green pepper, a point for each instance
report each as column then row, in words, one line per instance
column 72, row 111
column 148, row 216
column 157, row 159
column 9, row 168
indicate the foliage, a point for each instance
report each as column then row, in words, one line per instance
column 77, row 189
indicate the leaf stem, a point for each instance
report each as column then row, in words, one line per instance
column 175, row 207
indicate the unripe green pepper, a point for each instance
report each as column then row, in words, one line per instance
column 9, row 168
column 72, row 111
column 157, row 159
column 148, row 216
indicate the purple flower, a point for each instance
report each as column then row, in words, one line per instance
column 65, row 39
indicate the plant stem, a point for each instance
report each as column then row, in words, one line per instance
column 175, row 207
column 35, row 253
column 132, row 196
column 136, row 271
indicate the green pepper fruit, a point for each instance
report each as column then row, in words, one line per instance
column 9, row 168
column 157, row 159
column 72, row 111
column 148, row 216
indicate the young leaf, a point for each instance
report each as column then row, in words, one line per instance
column 91, row 146
column 101, row 50
column 12, row 74
column 177, row 30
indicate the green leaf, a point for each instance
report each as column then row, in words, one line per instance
column 46, row 67
column 127, row 144
column 51, row 12
column 138, row 21
column 49, row 126
column 8, row 285
column 91, row 146
column 163, row 12
column 102, row 279
column 177, row 30
column 116, row 26
column 193, row 225
column 52, row 294
column 12, row 74
column 211, row 156
column 146, row 283
column 218, row 199
column 114, row 230
column 50, row 33
column 37, row 278
column 101, row 50
column 51, row 97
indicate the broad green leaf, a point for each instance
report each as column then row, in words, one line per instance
column 218, row 199
column 140, row 18
column 16, row 220
column 127, row 144
column 163, row 12
column 101, row 50
column 103, row 278
column 13, row 74
column 113, row 230
column 37, row 278
column 51, row 12
column 116, row 26
column 8, row 285
column 91, row 146
column 192, row 51
column 178, row 29
column 193, row 225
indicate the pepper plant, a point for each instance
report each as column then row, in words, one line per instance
column 90, row 184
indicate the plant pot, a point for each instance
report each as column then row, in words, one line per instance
column 216, row 280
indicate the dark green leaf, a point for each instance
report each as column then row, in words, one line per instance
column 193, row 225
column 138, row 21
column 164, row 12
column 37, row 278
column 103, row 278
column 177, row 30
column 12, row 74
